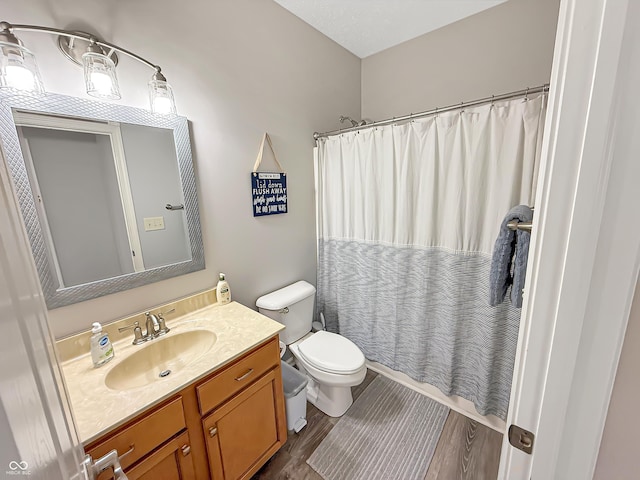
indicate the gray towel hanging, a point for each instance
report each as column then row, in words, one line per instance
column 509, row 262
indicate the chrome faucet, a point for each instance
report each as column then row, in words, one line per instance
column 155, row 325
column 151, row 325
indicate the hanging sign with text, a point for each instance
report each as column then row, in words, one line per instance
column 269, row 192
column 268, row 189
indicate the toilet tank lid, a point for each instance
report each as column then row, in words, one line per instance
column 287, row 296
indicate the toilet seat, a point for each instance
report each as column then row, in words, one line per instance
column 332, row 353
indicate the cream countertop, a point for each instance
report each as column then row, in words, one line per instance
column 97, row 409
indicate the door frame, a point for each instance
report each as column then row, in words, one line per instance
column 113, row 132
column 576, row 307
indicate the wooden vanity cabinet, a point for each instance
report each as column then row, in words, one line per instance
column 224, row 427
column 244, row 432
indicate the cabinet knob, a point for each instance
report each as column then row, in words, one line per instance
column 186, row 450
column 213, row 431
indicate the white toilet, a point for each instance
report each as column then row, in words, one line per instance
column 333, row 363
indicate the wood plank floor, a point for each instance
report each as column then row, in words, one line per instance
column 466, row 450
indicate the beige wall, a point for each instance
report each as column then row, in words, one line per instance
column 618, row 457
column 505, row 48
column 238, row 68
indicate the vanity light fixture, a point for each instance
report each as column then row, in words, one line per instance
column 19, row 71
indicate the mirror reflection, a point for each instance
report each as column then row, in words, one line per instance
column 102, row 210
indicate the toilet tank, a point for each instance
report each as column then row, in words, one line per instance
column 293, row 307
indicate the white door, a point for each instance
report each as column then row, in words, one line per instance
column 37, row 435
column 585, row 244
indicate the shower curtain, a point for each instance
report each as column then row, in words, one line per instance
column 406, row 219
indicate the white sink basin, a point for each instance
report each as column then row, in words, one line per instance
column 165, row 355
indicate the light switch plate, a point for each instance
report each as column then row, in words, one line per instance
column 153, row 223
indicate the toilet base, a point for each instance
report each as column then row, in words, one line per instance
column 333, row 401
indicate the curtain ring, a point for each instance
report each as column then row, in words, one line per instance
column 526, row 94
column 492, row 98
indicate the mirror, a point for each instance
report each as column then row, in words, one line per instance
column 107, row 193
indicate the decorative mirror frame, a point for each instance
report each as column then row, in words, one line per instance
column 62, row 105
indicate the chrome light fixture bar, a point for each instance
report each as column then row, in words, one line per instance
column 19, row 70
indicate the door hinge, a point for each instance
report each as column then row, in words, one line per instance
column 521, row 439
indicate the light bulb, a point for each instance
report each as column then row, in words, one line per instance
column 162, row 105
column 101, row 83
column 20, row 78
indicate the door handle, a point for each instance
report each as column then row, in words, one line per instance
column 239, row 379
column 110, row 460
column 132, row 447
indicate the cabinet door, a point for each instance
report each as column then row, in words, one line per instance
column 243, row 433
column 172, row 461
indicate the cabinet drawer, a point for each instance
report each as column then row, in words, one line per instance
column 214, row 391
column 144, row 435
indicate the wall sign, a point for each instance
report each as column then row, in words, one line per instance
column 268, row 189
column 269, row 192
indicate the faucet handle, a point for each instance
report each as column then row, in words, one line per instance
column 137, row 332
column 162, row 326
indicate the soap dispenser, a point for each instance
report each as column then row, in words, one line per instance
column 101, row 348
column 223, row 292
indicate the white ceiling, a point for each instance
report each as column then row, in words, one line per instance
column 365, row 27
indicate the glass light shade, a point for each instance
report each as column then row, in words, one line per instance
column 100, row 76
column 161, row 97
column 18, row 69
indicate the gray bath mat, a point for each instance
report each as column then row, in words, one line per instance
column 389, row 432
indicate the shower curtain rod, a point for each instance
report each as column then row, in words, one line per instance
column 493, row 98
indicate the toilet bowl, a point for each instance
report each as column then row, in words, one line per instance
column 332, row 363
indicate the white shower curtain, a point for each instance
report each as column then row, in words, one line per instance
column 406, row 217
